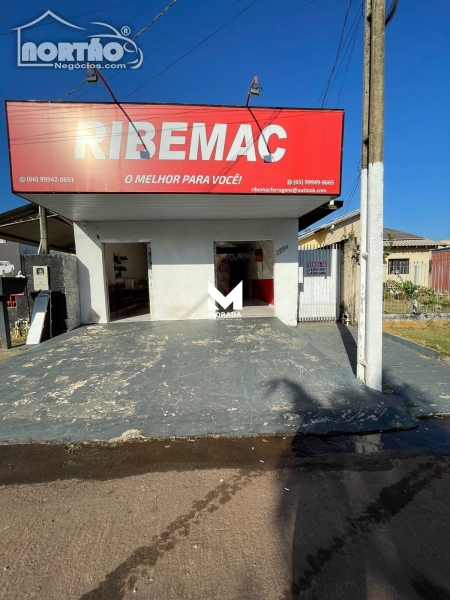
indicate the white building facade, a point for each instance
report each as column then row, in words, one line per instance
column 184, row 183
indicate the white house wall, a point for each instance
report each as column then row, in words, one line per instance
column 183, row 263
column 91, row 275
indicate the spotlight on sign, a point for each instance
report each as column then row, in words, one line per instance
column 332, row 206
column 254, row 90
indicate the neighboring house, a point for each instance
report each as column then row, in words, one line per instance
column 408, row 257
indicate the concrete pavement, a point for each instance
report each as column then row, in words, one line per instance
column 187, row 378
column 422, row 383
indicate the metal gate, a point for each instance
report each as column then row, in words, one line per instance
column 318, row 289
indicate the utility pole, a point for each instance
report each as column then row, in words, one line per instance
column 370, row 322
column 43, row 246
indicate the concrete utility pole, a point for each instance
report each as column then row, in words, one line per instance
column 370, row 321
column 43, row 246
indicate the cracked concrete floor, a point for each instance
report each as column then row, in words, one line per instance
column 185, row 378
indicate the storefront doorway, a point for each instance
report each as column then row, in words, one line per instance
column 253, row 264
column 128, row 272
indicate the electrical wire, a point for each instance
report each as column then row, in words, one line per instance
column 351, row 193
column 62, row 136
column 93, row 12
column 162, row 13
column 158, row 16
column 91, row 88
column 336, row 58
column 348, row 63
column 350, row 38
column 74, row 90
column 220, row 49
column 191, row 50
column 389, row 15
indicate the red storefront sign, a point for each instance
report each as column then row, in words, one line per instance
column 93, row 148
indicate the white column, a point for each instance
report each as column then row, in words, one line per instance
column 91, row 276
column 374, row 291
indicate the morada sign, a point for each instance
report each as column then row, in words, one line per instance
column 94, row 148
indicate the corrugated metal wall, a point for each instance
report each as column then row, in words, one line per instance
column 440, row 270
column 319, row 276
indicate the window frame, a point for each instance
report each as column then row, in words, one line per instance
column 398, row 266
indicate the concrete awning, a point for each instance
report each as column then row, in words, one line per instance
column 22, row 225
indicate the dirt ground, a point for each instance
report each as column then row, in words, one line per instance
column 252, row 519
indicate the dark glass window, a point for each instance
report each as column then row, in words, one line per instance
column 399, row 266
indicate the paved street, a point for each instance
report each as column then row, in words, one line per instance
column 273, row 518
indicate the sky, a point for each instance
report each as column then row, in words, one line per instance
column 291, row 46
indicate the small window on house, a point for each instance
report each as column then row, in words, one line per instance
column 399, row 266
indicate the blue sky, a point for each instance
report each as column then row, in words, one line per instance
column 293, row 57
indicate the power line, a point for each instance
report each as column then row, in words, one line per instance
column 93, row 12
column 158, row 16
column 123, row 71
column 162, row 13
column 246, row 36
column 221, row 49
column 351, row 192
column 74, row 90
column 391, row 12
column 348, row 63
column 71, row 135
column 192, row 49
column 324, row 94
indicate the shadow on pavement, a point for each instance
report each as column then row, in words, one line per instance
column 366, row 512
column 350, row 344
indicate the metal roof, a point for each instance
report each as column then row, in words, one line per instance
column 341, row 219
column 411, row 242
column 22, row 225
column 401, row 238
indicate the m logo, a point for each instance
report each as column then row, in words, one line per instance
column 235, row 297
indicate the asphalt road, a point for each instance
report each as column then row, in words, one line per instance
column 351, row 517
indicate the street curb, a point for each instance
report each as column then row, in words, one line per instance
column 412, row 345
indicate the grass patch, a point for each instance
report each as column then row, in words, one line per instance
column 108, row 444
column 432, row 334
column 72, row 448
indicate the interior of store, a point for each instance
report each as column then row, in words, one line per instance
column 128, row 267
column 253, row 264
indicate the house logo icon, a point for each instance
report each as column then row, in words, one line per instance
column 112, row 49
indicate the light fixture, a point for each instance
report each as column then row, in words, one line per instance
column 254, row 90
column 331, row 205
column 93, row 78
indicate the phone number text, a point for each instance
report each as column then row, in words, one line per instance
column 50, row 179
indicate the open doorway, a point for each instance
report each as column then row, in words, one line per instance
column 253, row 264
column 128, row 272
